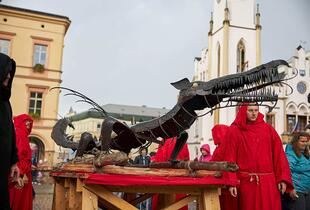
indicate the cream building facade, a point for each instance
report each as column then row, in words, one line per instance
column 35, row 40
column 234, row 45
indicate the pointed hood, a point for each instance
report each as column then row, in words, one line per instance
column 20, row 125
column 7, row 66
column 241, row 118
column 218, row 133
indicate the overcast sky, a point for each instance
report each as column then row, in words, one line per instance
column 128, row 51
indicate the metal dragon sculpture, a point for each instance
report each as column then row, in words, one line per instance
column 250, row 86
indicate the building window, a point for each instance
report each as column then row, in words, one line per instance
column 4, row 46
column 241, row 64
column 270, row 119
column 301, row 87
column 35, row 104
column 290, row 122
column 40, row 54
column 302, row 122
column 302, row 72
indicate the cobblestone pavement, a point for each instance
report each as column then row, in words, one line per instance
column 44, row 194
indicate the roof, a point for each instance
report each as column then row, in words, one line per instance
column 33, row 11
column 135, row 110
column 123, row 112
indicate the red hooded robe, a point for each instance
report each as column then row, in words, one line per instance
column 257, row 149
column 218, row 133
column 227, row 201
column 162, row 155
column 22, row 198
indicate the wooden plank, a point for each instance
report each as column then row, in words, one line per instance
column 109, row 197
column 210, row 199
column 67, row 182
column 78, row 201
column 170, row 172
column 59, row 195
column 79, row 185
column 180, row 203
column 72, row 194
column 89, row 200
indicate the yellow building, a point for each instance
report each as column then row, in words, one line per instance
column 35, row 40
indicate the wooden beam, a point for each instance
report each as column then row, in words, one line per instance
column 67, row 182
column 89, row 200
column 72, row 195
column 210, row 199
column 109, row 197
column 59, row 198
column 180, row 203
column 79, row 185
column 166, row 172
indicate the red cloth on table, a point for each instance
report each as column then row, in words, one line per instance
column 132, row 180
column 257, row 149
column 22, row 198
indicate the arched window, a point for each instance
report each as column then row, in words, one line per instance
column 241, row 64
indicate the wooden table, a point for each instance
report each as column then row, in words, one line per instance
column 84, row 191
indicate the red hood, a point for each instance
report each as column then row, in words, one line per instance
column 218, row 133
column 241, row 119
column 19, row 123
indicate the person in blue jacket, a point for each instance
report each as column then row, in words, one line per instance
column 298, row 157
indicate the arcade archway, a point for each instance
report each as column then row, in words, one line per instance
column 38, row 149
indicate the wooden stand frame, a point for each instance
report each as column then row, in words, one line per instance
column 70, row 193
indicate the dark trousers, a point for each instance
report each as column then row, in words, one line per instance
column 302, row 203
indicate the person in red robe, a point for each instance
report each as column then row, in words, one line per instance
column 257, row 149
column 219, row 135
column 164, row 151
column 219, row 131
column 21, row 198
column 162, row 155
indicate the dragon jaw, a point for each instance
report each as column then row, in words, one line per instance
column 254, row 85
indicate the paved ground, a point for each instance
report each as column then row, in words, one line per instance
column 44, row 194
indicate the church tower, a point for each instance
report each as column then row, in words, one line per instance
column 234, row 45
column 234, row 38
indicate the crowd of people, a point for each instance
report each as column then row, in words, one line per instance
column 268, row 177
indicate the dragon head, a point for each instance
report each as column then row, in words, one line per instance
column 254, row 85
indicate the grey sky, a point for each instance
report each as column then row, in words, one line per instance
column 128, row 51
